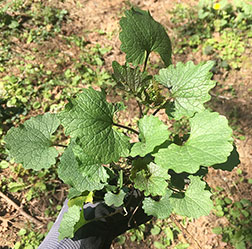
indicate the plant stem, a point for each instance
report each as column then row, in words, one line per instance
column 159, row 108
column 175, row 190
column 126, row 127
column 156, row 111
column 135, row 210
column 140, row 109
column 184, row 230
column 60, row 145
column 146, row 60
column 146, row 110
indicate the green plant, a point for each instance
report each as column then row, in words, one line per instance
column 28, row 239
column 164, row 233
column 30, row 21
column 137, row 234
column 46, row 20
column 229, row 46
column 169, row 233
column 224, row 14
column 168, row 162
column 8, row 21
column 223, row 28
column 238, row 232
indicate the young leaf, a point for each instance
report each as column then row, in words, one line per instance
column 80, row 200
column 189, row 85
column 130, row 79
column 81, row 171
column 141, row 35
column 69, row 221
column 209, row 143
column 114, row 199
column 153, row 132
column 89, row 118
column 153, row 182
column 196, row 201
column 30, row 143
column 161, row 209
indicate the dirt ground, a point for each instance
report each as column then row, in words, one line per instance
column 93, row 15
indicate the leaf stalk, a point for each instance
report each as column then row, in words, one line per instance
column 60, row 145
column 140, row 109
column 126, row 127
column 146, row 60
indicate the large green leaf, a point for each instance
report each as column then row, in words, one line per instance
column 69, row 221
column 130, row 79
column 161, row 209
column 89, row 119
column 73, row 192
column 195, row 202
column 153, row 132
column 210, row 142
column 30, row 143
column 152, row 181
column 80, row 170
column 141, row 35
column 189, row 85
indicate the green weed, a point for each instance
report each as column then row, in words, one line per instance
column 238, row 232
column 229, row 46
column 222, row 29
column 28, row 239
column 163, row 232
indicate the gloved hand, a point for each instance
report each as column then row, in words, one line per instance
column 100, row 233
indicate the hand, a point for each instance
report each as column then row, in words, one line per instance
column 107, row 224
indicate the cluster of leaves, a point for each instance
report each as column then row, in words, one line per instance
column 163, row 232
column 35, row 81
column 9, row 21
column 40, row 18
column 167, row 233
column 238, row 232
column 229, row 15
column 21, row 78
column 136, row 235
column 101, row 162
column 29, row 239
column 218, row 26
column 230, row 47
column 24, row 77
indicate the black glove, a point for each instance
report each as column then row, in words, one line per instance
column 99, row 234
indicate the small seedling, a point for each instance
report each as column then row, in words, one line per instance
column 238, row 232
